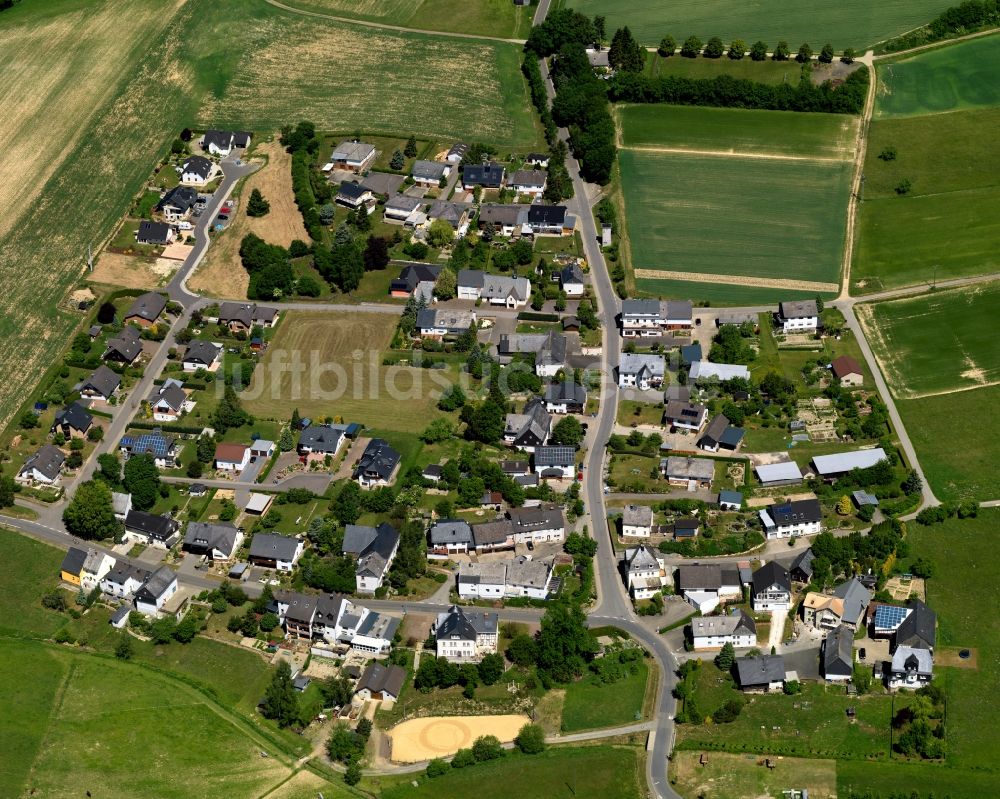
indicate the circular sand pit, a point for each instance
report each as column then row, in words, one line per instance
column 440, row 736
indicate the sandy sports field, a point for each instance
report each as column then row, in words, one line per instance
column 439, row 736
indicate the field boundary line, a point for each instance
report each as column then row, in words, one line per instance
column 651, row 148
column 388, row 27
column 931, row 45
column 744, row 280
column 57, row 703
column 853, row 201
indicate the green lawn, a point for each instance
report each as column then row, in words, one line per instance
column 738, row 130
column 771, row 72
column 961, row 75
column 720, row 295
column 852, row 23
column 593, row 772
column 936, row 780
column 735, row 216
column 27, row 570
column 938, row 342
column 634, row 412
column 591, row 704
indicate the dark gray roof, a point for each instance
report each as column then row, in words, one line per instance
column 274, row 547
column 691, row 353
column 541, row 517
column 677, row 392
column 320, row 438
column 530, row 427
column 505, row 215
column 546, row 214
column 553, row 350
column 918, row 628
column 378, row 677
column 147, row 306
column 246, row 313
column 855, row 597
column 413, row 274
column 677, row 411
column 528, row 177
column 451, row 531
column 640, row 308
column 838, row 652
column 429, row 170
column 204, row 536
column 571, row 274
column 730, row 497
column 102, row 380
column 456, row 623
column 760, row 670
column 153, row 232
column 121, row 572
column 205, row 352
column 490, row 533
column 798, row 309
column 568, row 391
column 171, row 392
column 179, row 197
column 803, row 563
column 241, row 138
column 706, row 576
column 796, row 512
column 555, row 456
column 378, row 460
column 74, row 415
column 351, row 190
column 450, row 212
column 159, row 527
column 360, row 540
column 156, row 585
column 48, row 460
column 74, row 560
column 222, row 139
column 126, row 345
column 489, row 175
column 199, row 165
column 770, row 574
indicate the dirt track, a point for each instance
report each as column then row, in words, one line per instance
column 439, row 736
column 738, row 280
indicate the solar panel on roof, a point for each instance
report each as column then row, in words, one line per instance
column 890, row 616
column 149, row 442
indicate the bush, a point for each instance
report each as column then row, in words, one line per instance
column 531, row 739
column 463, row 758
column 487, row 747
column 437, row 767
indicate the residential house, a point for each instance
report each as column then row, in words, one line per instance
column 156, row 591
column 336, row 620
column 353, row 156
column 771, row 588
column 490, row 175
column 678, row 315
column 373, row 549
column 799, row 316
column 714, row 632
column 838, row 654
column 145, row 310
column 450, row 537
column 151, row 529
column 177, row 203
column 378, row 465
column 855, row 598
column 760, row 674
column 202, row 355
column 43, row 467
column 230, row 457
column 438, row 323
column 197, row 170
column 549, row 350
column 911, row 667
column 530, row 428
column 571, row 280
column 550, row 220
column 528, row 181
column 274, row 551
column 801, row 570
column 402, row 208
column 71, row 570
column 540, row 160
column 121, row 504
column 379, row 682
column 531, row 579
column 73, row 421
column 503, row 290
column 482, row 580
column 222, row 142
column 798, row 517
column 886, row 619
column 102, row 384
column 242, row 316
column 318, row 441
column 154, row 233
column 412, row 276
column 736, row 318
column 466, row 636
column 690, row 353
column 772, row 475
column 830, row 467
column 637, row 521
column 95, row 566
column 721, row 435
column 555, row 462
column 493, row 536
column 645, row 572
column 123, row 580
column 352, row 194
column 919, row 629
column 261, row 449
column 687, row 472
column 686, row 529
column 642, row 318
column 702, row 371
column 538, row 524
column 125, row 347
column 822, row 612
column 167, row 402
column 847, row 371
column 685, row 416
column 457, row 152
column 506, row 219
column 636, row 370
column 216, row 541
column 163, row 448
column 567, row 396
column 730, row 500
column 455, row 214
column 430, row 173
column 705, row 585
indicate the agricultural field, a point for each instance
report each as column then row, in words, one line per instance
column 497, row 18
column 936, row 343
column 772, row 72
column 341, row 374
column 783, row 226
column 951, row 78
column 853, row 23
column 736, row 130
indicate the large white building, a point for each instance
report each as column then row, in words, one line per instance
column 466, row 636
column 637, row 521
column 800, row 316
column 714, row 632
column 646, row 571
column 799, row 517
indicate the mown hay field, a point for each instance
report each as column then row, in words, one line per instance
column 962, row 75
column 738, row 130
column 852, row 23
column 771, row 72
column 330, row 364
column 742, row 217
column 936, row 343
column 499, row 18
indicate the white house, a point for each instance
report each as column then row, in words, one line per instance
column 528, row 181
column 169, row 401
column 771, row 588
column 121, row 503
column 556, row 462
column 528, row 578
column 231, row 457
column 218, row 542
column 437, row 323
column 642, row 318
column 197, row 170
column 482, row 580
column 44, row 467
column 911, row 668
column 714, row 632
column 465, row 636
column 637, row 370
column 705, row 585
column 799, row 517
column 760, row 674
column 645, row 571
column 354, row 156
column 450, row 537
column 510, row 292
column 800, row 316
column 96, row 565
column 637, row 521
column 374, row 549
column 151, row 529
column 571, row 280
column 154, row 593
column 279, row 552
column 566, row 396
column 202, row 355
column 123, row 581
column 380, row 682
column 538, row 524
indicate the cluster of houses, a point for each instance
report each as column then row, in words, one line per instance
column 528, row 525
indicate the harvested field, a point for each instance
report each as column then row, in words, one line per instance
column 127, row 271
column 221, row 274
column 438, row 736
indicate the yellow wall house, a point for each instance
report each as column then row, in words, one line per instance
column 72, row 566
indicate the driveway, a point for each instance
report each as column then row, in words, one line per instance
column 777, row 632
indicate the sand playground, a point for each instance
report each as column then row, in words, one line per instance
column 439, row 736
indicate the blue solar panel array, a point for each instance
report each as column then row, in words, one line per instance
column 889, row 617
column 152, row 443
